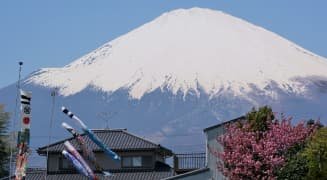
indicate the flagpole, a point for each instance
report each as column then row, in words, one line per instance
column 14, row 120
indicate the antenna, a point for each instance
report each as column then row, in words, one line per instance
column 20, row 63
column 53, row 95
column 106, row 116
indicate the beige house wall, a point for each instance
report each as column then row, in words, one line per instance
column 212, row 144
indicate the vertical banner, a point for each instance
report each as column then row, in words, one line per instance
column 23, row 139
column 25, row 100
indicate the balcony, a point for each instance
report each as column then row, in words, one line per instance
column 188, row 162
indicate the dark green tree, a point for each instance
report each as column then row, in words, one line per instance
column 4, row 143
column 298, row 160
column 259, row 119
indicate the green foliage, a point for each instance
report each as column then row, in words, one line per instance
column 309, row 161
column 296, row 167
column 259, row 119
column 4, row 154
column 316, row 155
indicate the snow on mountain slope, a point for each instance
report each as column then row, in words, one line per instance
column 186, row 49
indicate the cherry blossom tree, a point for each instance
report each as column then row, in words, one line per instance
column 256, row 154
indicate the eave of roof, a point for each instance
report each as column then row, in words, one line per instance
column 160, row 171
column 224, row 123
column 147, row 175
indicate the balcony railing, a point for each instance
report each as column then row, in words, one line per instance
column 189, row 161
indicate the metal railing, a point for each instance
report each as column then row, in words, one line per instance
column 189, row 161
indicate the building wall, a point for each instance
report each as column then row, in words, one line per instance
column 105, row 161
column 158, row 157
column 212, row 144
column 53, row 162
column 211, row 160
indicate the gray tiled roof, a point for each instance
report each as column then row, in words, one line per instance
column 117, row 140
column 151, row 175
column 188, row 174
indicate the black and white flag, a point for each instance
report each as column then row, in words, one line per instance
column 25, row 100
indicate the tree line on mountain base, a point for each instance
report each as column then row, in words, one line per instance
column 265, row 147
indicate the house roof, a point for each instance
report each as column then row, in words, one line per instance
column 116, row 139
column 223, row 123
column 160, row 171
column 146, row 175
column 192, row 173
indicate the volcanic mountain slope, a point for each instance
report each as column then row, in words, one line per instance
column 183, row 71
column 184, row 49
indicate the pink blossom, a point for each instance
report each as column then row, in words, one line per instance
column 247, row 157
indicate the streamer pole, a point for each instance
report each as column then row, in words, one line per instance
column 14, row 121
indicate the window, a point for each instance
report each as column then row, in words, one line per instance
column 136, row 161
column 132, row 161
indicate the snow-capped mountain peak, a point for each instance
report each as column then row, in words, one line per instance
column 186, row 49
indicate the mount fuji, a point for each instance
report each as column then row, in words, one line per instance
column 172, row 77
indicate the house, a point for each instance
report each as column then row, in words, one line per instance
column 210, row 171
column 140, row 159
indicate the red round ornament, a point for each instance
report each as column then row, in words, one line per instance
column 26, row 120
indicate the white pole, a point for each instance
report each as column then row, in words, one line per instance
column 11, row 168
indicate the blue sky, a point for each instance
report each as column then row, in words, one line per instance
column 53, row 33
